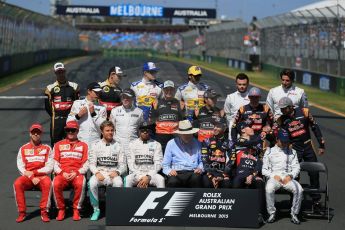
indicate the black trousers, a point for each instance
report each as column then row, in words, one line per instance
column 257, row 183
column 184, row 179
column 163, row 139
column 305, row 152
column 57, row 131
column 207, row 183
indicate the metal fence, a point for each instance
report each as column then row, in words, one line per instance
column 23, row 31
column 310, row 39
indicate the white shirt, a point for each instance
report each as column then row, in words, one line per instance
column 280, row 163
column 144, row 158
column 105, row 157
column 232, row 104
column 89, row 127
column 296, row 94
column 127, row 122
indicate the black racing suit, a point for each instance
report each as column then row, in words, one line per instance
column 165, row 114
column 110, row 96
column 204, row 119
column 214, row 152
column 298, row 125
column 257, row 118
column 58, row 103
column 244, row 163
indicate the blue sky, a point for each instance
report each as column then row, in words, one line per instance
column 244, row 9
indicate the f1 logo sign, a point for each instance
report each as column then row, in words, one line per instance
column 175, row 206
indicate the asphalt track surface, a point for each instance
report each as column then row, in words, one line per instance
column 17, row 114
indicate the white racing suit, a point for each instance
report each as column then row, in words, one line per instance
column 296, row 94
column 127, row 122
column 232, row 104
column 144, row 159
column 105, row 158
column 89, row 125
column 282, row 162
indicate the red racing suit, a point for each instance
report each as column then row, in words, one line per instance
column 38, row 159
column 70, row 156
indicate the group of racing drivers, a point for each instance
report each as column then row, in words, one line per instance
column 157, row 134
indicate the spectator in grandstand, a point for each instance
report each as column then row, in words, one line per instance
column 258, row 115
column 204, row 118
column 214, row 153
column 281, row 167
column 144, row 161
column 127, row 118
column 89, row 115
column 191, row 94
column 35, row 163
column 297, row 122
column 70, row 166
column 148, row 89
column 182, row 159
column 110, row 96
column 166, row 113
column 286, row 89
column 237, row 99
column 59, row 100
column 107, row 164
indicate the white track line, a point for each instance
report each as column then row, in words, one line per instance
column 22, row 97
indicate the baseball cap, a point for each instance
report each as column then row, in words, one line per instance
column 254, row 92
column 150, row 66
column 284, row 102
column 128, row 92
column 36, row 126
column 168, row 83
column 145, row 126
column 72, row 125
column 117, row 70
column 59, row 66
column 283, row 135
column 211, row 93
column 194, row 70
column 94, row 86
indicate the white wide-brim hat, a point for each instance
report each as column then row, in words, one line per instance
column 185, row 127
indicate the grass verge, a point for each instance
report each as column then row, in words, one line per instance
column 23, row 76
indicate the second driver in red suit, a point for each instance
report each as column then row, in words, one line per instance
column 70, row 165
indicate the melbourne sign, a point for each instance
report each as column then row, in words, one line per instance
column 182, row 207
column 139, row 10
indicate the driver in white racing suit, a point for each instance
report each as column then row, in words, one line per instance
column 127, row 118
column 144, row 161
column 107, row 163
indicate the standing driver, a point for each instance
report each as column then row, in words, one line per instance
column 60, row 97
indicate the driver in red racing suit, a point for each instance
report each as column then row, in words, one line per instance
column 35, row 163
column 70, row 165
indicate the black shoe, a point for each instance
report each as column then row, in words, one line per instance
column 294, row 219
column 271, row 218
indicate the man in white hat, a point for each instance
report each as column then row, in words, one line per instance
column 182, row 158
